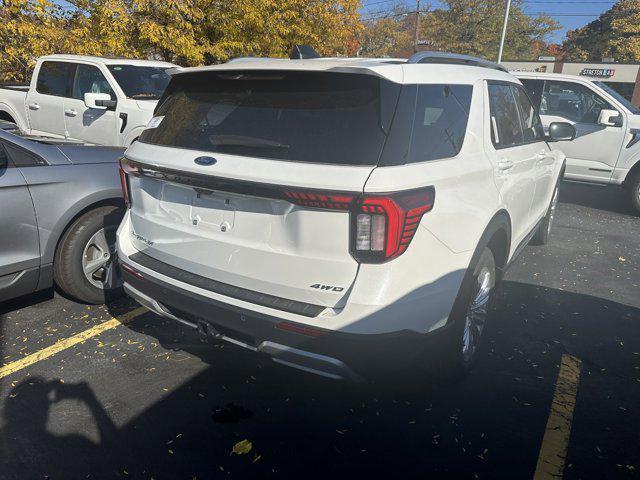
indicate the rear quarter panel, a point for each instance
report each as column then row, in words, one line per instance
column 61, row 192
column 13, row 102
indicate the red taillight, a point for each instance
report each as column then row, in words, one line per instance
column 386, row 224
column 328, row 200
column 382, row 226
column 125, row 170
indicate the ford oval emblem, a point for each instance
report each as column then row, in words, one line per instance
column 206, row 161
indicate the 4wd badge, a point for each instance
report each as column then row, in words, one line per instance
column 329, row 288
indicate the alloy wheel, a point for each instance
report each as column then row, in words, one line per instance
column 100, row 261
column 476, row 316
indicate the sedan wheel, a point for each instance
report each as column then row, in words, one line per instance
column 99, row 261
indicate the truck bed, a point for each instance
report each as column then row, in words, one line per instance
column 15, row 86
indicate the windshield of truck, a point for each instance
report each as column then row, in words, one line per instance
column 141, row 83
column 626, row 103
column 315, row 117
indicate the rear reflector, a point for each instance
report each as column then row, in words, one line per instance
column 301, row 329
column 132, row 271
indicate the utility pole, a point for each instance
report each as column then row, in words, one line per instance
column 416, row 32
column 504, row 30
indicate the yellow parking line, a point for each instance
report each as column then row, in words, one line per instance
column 553, row 451
column 65, row 343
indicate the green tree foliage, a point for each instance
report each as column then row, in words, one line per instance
column 187, row 32
column 471, row 27
column 616, row 33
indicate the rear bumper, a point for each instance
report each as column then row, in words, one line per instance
column 328, row 353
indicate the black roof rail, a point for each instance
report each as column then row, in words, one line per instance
column 453, row 59
column 300, row 52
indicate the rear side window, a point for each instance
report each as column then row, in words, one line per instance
column 314, row 117
column 534, row 88
column 4, row 158
column 21, row 158
column 440, row 121
column 506, row 128
column 531, row 123
column 54, row 78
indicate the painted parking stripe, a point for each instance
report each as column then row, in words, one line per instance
column 65, row 343
column 553, row 451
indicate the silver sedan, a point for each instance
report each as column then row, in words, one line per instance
column 60, row 205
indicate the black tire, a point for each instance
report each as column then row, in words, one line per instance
column 543, row 233
column 634, row 192
column 75, row 246
column 7, row 118
column 455, row 357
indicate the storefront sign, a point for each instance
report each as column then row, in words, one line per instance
column 598, row 72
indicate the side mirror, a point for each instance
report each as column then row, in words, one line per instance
column 610, row 118
column 101, row 101
column 561, row 131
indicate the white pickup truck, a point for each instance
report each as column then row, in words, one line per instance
column 606, row 149
column 106, row 101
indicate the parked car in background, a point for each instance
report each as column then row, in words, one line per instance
column 335, row 213
column 106, row 101
column 607, row 145
column 60, row 205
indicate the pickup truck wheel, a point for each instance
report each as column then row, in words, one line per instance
column 86, row 265
column 635, row 192
column 541, row 237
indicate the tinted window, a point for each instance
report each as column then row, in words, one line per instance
column 142, row 83
column 21, row 158
column 4, row 159
column 534, row 88
column 572, row 101
column 622, row 92
column 89, row 79
column 54, row 77
column 505, row 120
column 315, row 117
column 531, row 123
column 440, row 121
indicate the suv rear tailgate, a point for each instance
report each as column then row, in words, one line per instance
column 238, row 231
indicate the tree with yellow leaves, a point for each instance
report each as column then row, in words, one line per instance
column 187, row 32
column 616, row 34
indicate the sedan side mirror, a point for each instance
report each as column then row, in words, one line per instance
column 101, row 101
column 610, row 118
column 561, row 131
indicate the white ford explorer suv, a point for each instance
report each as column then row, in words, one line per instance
column 331, row 212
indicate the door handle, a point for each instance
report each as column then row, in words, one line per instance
column 504, row 165
column 69, row 112
column 34, row 106
column 542, row 157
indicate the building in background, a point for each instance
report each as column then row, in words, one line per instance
column 622, row 77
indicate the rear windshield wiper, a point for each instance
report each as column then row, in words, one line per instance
column 242, row 141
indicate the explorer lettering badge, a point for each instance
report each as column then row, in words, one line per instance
column 330, row 288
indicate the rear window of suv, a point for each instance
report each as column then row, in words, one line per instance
column 316, row 117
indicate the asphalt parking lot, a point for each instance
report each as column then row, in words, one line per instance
column 86, row 396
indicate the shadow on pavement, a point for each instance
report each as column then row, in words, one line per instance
column 487, row 426
column 607, row 198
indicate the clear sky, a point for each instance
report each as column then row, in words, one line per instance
column 568, row 13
